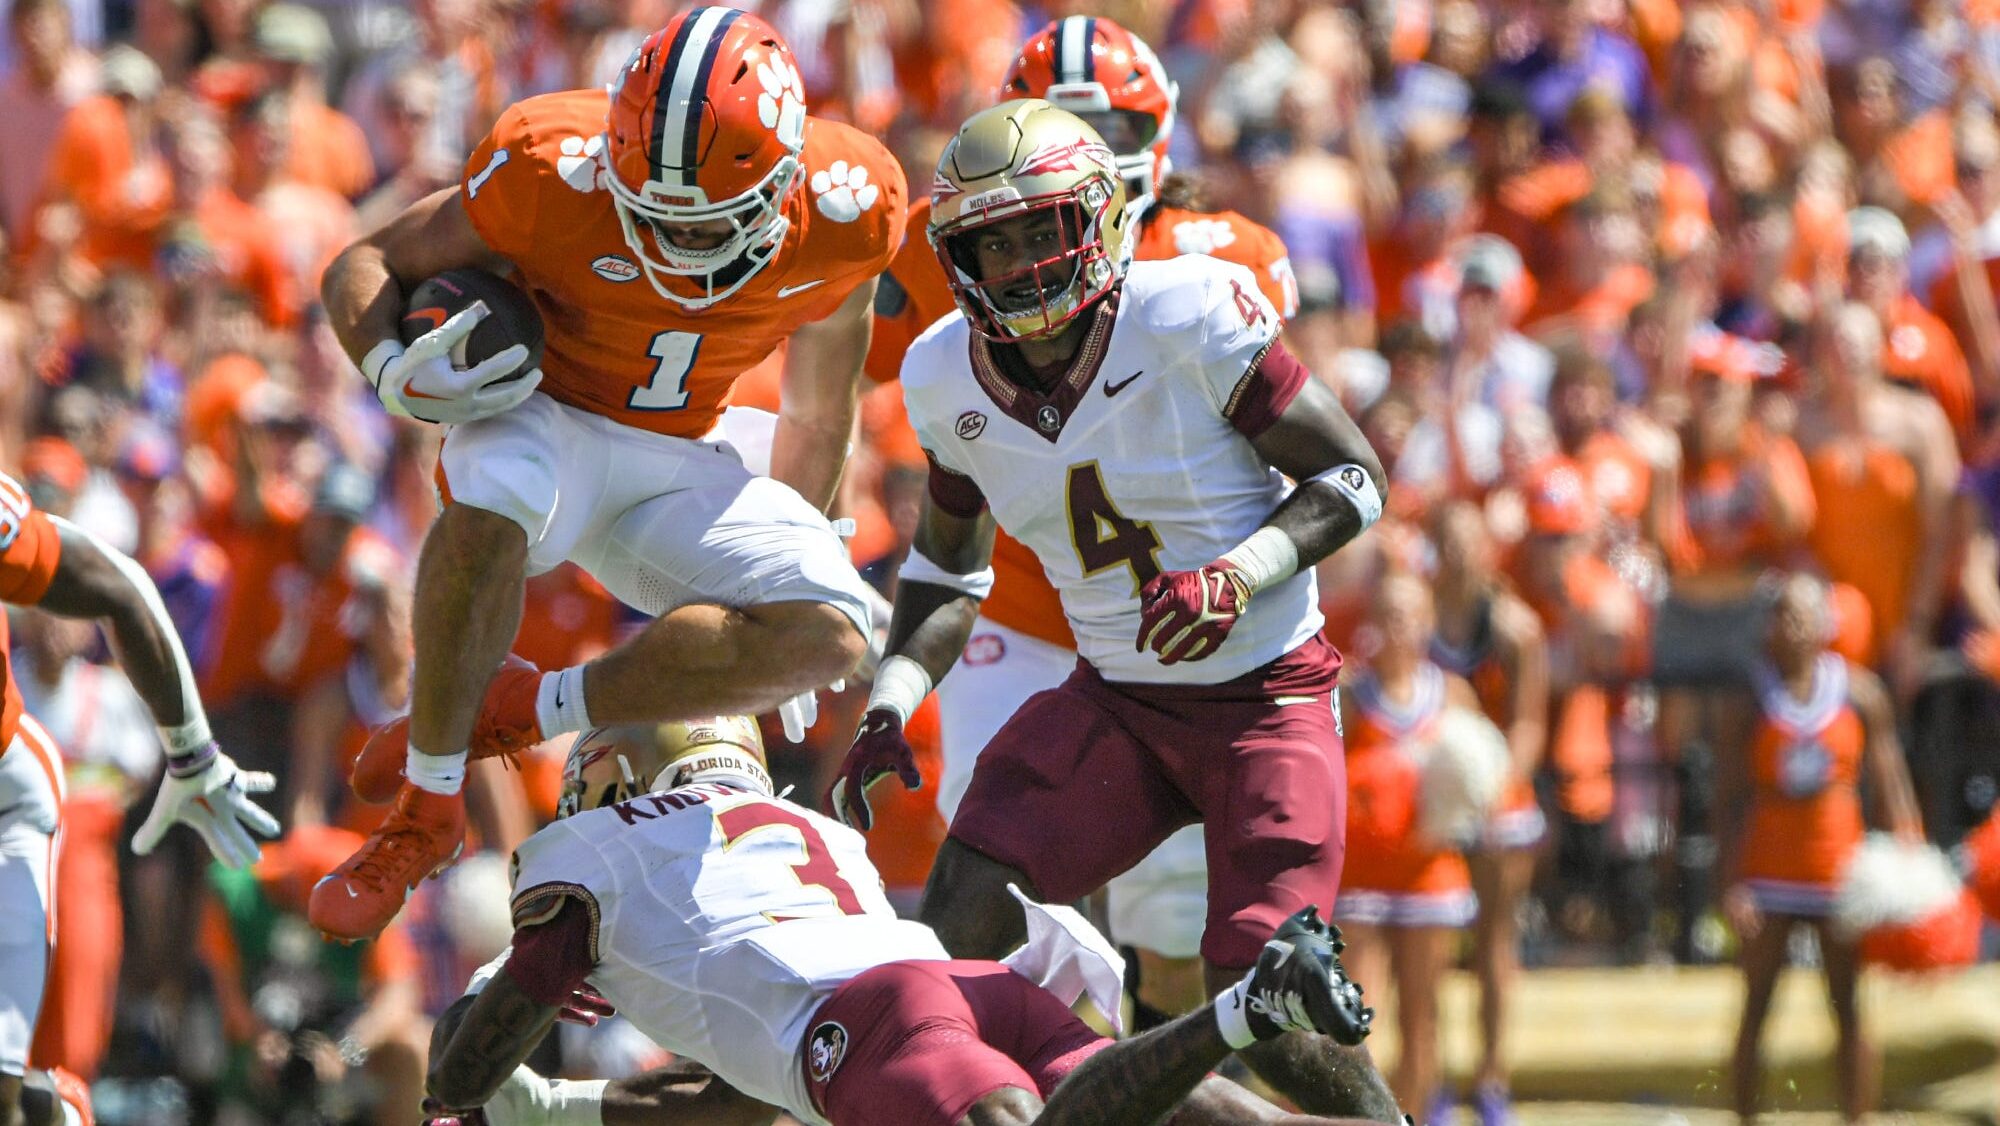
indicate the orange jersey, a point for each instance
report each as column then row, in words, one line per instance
column 915, row 295
column 1169, row 232
column 1618, row 477
column 30, row 548
column 282, row 628
column 617, row 348
column 567, row 619
column 1385, row 850
column 1728, row 523
column 1805, row 770
column 1919, row 351
column 1873, row 542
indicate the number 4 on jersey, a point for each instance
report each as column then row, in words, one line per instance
column 675, row 353
column 1105, row 537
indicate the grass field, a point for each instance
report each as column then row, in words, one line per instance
column 1648, row 1047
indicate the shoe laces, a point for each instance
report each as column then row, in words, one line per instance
column 388, row 853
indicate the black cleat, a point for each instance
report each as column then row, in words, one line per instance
column 1299, row 985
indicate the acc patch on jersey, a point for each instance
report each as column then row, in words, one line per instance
column 826, row 1049
column 614, row 268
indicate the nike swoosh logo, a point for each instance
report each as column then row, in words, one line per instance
column 434, row 314
column 561, row 679
column 1281, row 701
column 1111, row 389
column 788, row 290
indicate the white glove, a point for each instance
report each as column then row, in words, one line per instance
column 799, row 713
column 422, row 381
column 215, row 803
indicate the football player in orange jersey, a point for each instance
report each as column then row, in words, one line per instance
column 1021, row 644
column 48, row 562
column 672, row 231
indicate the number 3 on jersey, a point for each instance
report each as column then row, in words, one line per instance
column 1104, row 537
column 674, row 354
column 818, row 869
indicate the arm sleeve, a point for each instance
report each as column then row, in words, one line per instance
column 30, row 547
column 554, row 955
column 954, row 492
column 1265, row 390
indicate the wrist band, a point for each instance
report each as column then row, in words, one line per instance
column 1354, row 483
column 377, row 359
column 187, row 738
column 900, row 685
column 1268, row 556
column 919, row 569
column 191, row 763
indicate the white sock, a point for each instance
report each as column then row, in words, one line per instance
column 1232, row 1016
column 559, row 706
column 440, row 774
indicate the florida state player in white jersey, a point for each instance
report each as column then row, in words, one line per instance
column 1134, row 427
column 751, row 935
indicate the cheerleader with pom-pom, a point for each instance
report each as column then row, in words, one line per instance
column 1411, row 805
column 1794, row 819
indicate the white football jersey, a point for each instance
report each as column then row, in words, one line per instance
column 723, row 918
column 1130, row 465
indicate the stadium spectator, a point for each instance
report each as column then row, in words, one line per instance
column 51, row 73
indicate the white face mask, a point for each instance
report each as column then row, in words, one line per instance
column 758, row 229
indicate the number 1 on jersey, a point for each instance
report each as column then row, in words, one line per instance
column 675, row 353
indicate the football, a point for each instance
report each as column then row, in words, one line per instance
column 511, row 317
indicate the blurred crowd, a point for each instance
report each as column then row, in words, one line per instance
column 1644, row 303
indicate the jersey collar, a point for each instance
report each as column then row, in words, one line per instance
column 1047, row 413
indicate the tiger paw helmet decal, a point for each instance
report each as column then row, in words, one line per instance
column 782, row 105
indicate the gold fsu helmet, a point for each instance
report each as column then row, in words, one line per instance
column 613, row 764
column 1016, row 159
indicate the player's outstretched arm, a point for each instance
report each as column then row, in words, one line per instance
column 937, row 599
column 1185, row 615
column 818, row 397
column 497, row 1032
column 682, row 1093
column 203, row 788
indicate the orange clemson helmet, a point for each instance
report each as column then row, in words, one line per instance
column 707, row 121
column 1110, row 78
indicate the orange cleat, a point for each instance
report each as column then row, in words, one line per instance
column 421, row 838
column 506, row 725
column 73, row 1092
